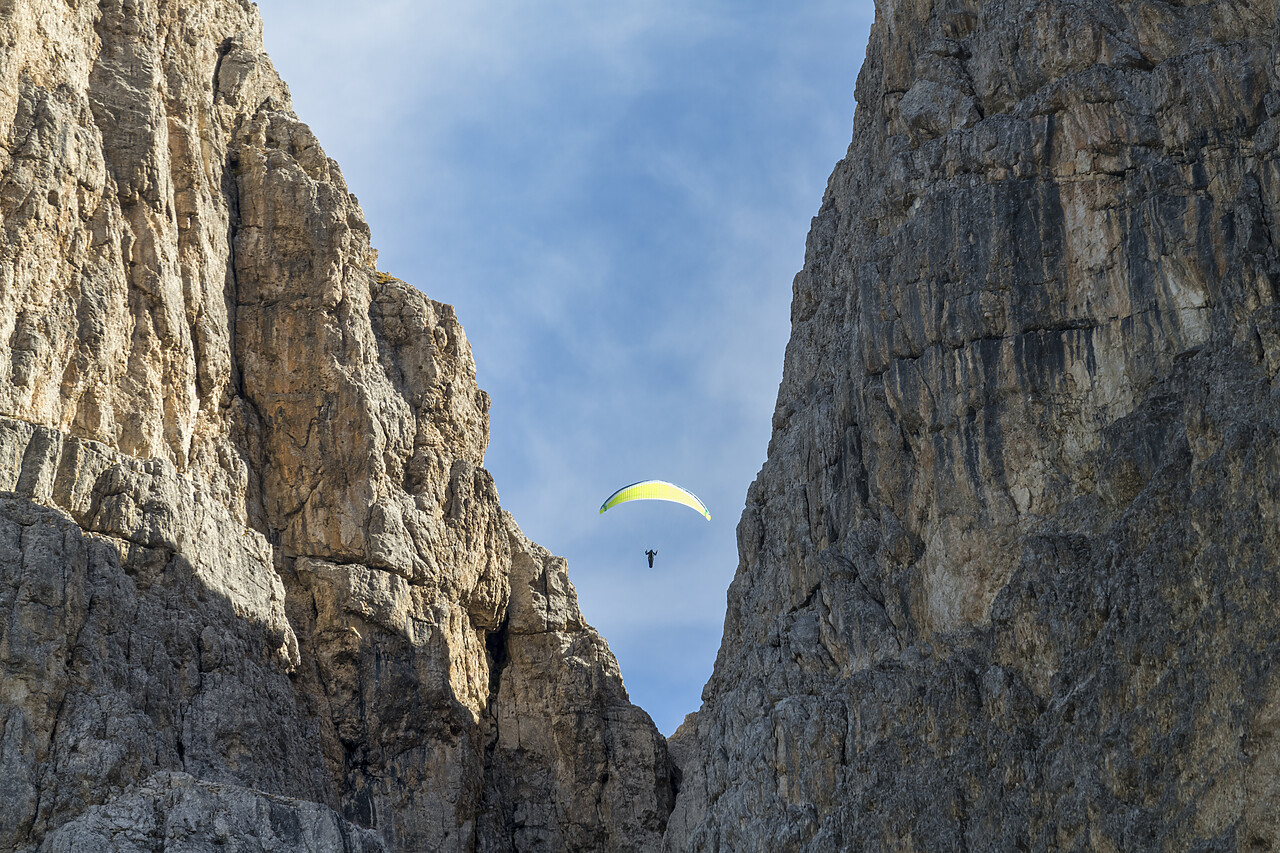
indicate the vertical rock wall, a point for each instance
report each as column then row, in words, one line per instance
column 1008, row 577
column 255, row 583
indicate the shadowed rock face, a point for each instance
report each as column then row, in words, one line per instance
column 1008, row 577
column 255, row 582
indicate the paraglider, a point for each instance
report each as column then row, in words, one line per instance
column 656, row 490
column 651, row 554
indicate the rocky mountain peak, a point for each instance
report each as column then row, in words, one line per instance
column 1007, row 574
column 257, row 584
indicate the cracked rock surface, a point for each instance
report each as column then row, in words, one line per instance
column 255, row 582
column 1008, row 578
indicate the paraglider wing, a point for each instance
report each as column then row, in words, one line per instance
column 656, row 490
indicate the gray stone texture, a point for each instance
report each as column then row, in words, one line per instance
column 257, row 591
column 1009, row 577
column 1007, row 580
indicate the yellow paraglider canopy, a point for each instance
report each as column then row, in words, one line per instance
column 656, row 490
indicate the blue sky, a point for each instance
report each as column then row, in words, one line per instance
column 615, row 198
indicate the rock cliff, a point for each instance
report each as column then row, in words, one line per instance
column 255, row 584
column 1009, row 576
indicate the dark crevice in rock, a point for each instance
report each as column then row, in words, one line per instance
column 495, row 644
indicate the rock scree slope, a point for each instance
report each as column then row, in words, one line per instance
column 256, row 588
column 1009, row 576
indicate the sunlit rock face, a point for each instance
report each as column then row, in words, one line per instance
column 1008, row 578
column 255, row 583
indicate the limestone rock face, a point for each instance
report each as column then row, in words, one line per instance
column 553, row 675
column 257, row 584
column 173, row 811
column 1008, row 577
